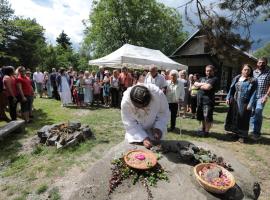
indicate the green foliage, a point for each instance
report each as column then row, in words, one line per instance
column 28, row 44
column 6, row 29
column 152, row 175
column 42, row 188
column 54, row 194
column 17, row 165
column 139, row 22
column 263, row 52
column 63, row 40
column 22, row 42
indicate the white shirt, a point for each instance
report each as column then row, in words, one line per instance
column 175, row 92
column 139, row 122
column 38, row 77
column 159, row 80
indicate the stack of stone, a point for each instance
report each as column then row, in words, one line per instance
column 64, row 134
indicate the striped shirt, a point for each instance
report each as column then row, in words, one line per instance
column 263, row 79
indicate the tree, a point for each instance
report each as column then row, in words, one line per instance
column 263, row 52
column 63, row 40
column 227, row 21
column 6, row 30
column 28, row 43
column 112, row 23
column 50, row 58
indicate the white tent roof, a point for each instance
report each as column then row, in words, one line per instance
column 137, row 57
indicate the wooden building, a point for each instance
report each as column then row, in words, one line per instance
column 196, row 54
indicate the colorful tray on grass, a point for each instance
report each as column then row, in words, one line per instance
column 140, row 159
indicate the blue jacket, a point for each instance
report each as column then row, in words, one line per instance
column 247, row 93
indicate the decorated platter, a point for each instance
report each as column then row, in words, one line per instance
column 140, row 159
column 214, row 178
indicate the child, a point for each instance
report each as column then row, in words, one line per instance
column 75, row 95
column 96, row 88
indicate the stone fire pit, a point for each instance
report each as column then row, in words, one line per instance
column 64, row 134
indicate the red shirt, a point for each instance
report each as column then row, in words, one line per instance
column 26, row 85
column 12, row 81
column 125, row 80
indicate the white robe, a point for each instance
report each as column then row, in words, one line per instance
column 140, row 122
column 65, row 94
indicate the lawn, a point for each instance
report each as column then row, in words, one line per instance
column 36, row 172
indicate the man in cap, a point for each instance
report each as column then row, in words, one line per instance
column 145, row 113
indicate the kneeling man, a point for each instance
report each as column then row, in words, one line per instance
column 145, row 113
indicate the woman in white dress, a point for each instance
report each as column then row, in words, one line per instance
column 88, row 88
column 64, row 88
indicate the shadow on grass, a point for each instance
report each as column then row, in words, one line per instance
column 94, row 107
column 223, row 137
column 221, row 109
column 11, row 145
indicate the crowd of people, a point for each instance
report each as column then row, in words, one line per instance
column 145, row 108
column 190, row 93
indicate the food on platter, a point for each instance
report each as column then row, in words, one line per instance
column 214, row 178
column 214, row 175
column 140, row 159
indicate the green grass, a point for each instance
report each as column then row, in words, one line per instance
column 28, row 171
column 42, row 188
column 46, row 163
column 54, row 194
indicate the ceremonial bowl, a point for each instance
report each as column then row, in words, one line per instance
column 140, row 159
column 210, row 187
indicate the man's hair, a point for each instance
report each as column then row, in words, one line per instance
column 124, row 68
column 174, row 72
column 152, row 67
column 264, row 59
column 140, row 96
column 210, row 66
column 8, row 70
column 62, row 70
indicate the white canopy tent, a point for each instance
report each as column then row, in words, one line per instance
column 137, row 57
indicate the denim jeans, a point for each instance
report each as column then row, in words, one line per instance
column 257, row 118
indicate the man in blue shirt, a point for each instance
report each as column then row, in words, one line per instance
column 262, row 74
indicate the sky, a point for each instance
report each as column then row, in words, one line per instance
column 67, row 15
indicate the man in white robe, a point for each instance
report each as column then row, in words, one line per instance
column 145, row 113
